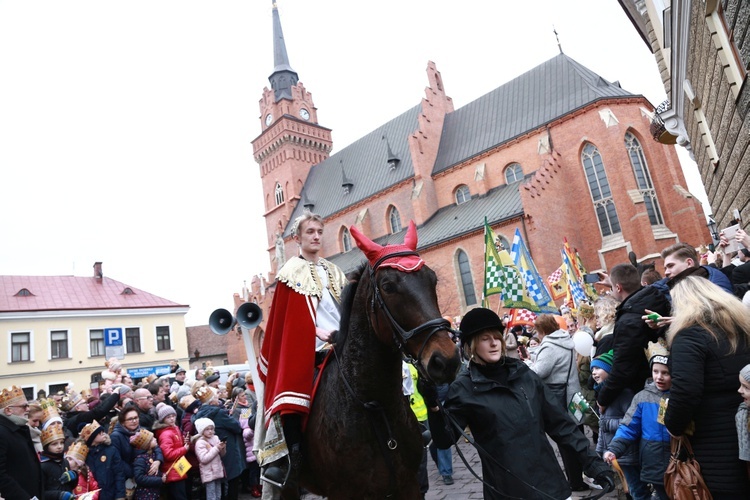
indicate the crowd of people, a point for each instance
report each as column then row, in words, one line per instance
column 163, row 437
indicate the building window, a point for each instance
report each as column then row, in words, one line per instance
column 601, row 194
column 346, row 240
column 59, row 344
column 163, row 342
column 513, row 173
column 394, row 218
column 462, row 194
column 643, row 179
column 96, row 343
column 467, row 283
column 133, row 340
column 279, row 193
column 20, row 346
column 55, row 388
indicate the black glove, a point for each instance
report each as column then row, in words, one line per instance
column 428, row 390
column 68, row 476
column 601, row 473
column 606, row 479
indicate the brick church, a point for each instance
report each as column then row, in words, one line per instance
column 558, row 152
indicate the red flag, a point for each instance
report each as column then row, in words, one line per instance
column 521, row 317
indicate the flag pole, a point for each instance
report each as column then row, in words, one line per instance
column 485, row 302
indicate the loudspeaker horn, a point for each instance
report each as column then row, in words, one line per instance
column 221, row 321
column 249, row 315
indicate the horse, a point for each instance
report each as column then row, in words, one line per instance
column 362, row 439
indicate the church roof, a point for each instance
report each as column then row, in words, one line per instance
column 549, row 91
column 57, row 293
column 500, row 204
column 365, row 166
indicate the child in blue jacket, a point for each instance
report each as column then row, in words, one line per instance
column 644, row 422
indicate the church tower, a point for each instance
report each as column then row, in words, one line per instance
column 290, row 143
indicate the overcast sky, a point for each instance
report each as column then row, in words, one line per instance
column 126, row 127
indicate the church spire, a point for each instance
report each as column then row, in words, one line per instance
column 283, row 77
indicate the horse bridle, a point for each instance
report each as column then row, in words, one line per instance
column 401, row 336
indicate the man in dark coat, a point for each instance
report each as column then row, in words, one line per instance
column 631, row 334
column 20, row 470
column 80, row 415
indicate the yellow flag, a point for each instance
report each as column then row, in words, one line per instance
column 182, row 466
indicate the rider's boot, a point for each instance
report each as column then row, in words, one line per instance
column 290, row 490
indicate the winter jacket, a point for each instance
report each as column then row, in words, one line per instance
column 186, row 427
column 209, row 458
column 705, row 379
column 20, row 471
column 556, row 363
column 609, row 421
column 76, row 420
column 104, row 461
column 147, row 486
column 172, row 446
column 491, row 401
column 229, row 430
column 85, row 483
column 584, row 374
column 630, row 338
column 52, row 468
column 121, row 440
column 245, row 417
column 743, row 433
column 715, row 276
column 640, row 425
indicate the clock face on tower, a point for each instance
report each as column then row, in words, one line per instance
column 269, row 119
column 304, row 114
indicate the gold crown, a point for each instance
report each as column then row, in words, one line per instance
column 52, row 433
column 142, row 440
column 90, row 431
column 186, row 401
column 49, row 410
column 78, row 450
column 70, row 400
column 12, row 396
column 205, row 394
column 658, row 348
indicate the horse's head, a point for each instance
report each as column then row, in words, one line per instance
column 403, row 305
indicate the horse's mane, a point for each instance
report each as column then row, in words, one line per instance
column 347, row 301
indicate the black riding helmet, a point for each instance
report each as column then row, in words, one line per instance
column 478, row 320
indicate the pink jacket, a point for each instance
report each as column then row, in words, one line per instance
column 209, row 458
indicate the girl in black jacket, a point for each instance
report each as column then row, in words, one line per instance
column 493, row 397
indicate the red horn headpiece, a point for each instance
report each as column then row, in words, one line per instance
column 375, row 252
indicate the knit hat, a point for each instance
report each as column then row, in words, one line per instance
column 477, row 320
column 52, row 433
column 202, row 423
column 164, row 410
column 745, row 373
column 90, row 431
column 141, row 440
column 604, row 361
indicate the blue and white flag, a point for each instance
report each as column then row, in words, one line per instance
column 536, row 288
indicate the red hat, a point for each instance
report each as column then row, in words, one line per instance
column 375, row 252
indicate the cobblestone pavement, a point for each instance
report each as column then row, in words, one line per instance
column 465, row 485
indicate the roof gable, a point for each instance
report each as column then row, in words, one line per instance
column 57, row 293
column 549, row 91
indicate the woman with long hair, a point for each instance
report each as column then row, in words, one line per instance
column 709, row 338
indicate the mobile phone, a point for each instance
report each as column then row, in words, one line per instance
column 591, row 278
column 524, row 352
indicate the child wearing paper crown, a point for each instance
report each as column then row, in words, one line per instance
column 57, row 484
column 148, row 487
column 644, row 424
column 173, row 446
column 209, row 451
column 609, row 421
column 79, row 474
column 104, row 461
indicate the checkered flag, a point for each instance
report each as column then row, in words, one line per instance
column 494, row 277
column 521, row 317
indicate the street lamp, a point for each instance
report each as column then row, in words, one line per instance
column 712, row 228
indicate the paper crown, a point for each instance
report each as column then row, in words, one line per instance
column 186, row 401
column 89, row 432
column 142, row 439
column 70, row 400
column 12, row 396
column 205, row 394
column 52, row 433
column 49, row 410
column 78, row 450
column 657, row 352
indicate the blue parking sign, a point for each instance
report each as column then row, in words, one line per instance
column 112, row 337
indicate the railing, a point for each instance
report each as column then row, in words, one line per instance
column 658, row 129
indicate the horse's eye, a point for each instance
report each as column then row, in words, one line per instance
column 388, row 287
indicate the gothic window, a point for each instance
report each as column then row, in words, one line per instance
column 513, row 173
column 601, row 194
column 467, row 283
column 643, row 179
column 346, row 240
column 394, row 219
column 462, row 194
column 279, row 193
